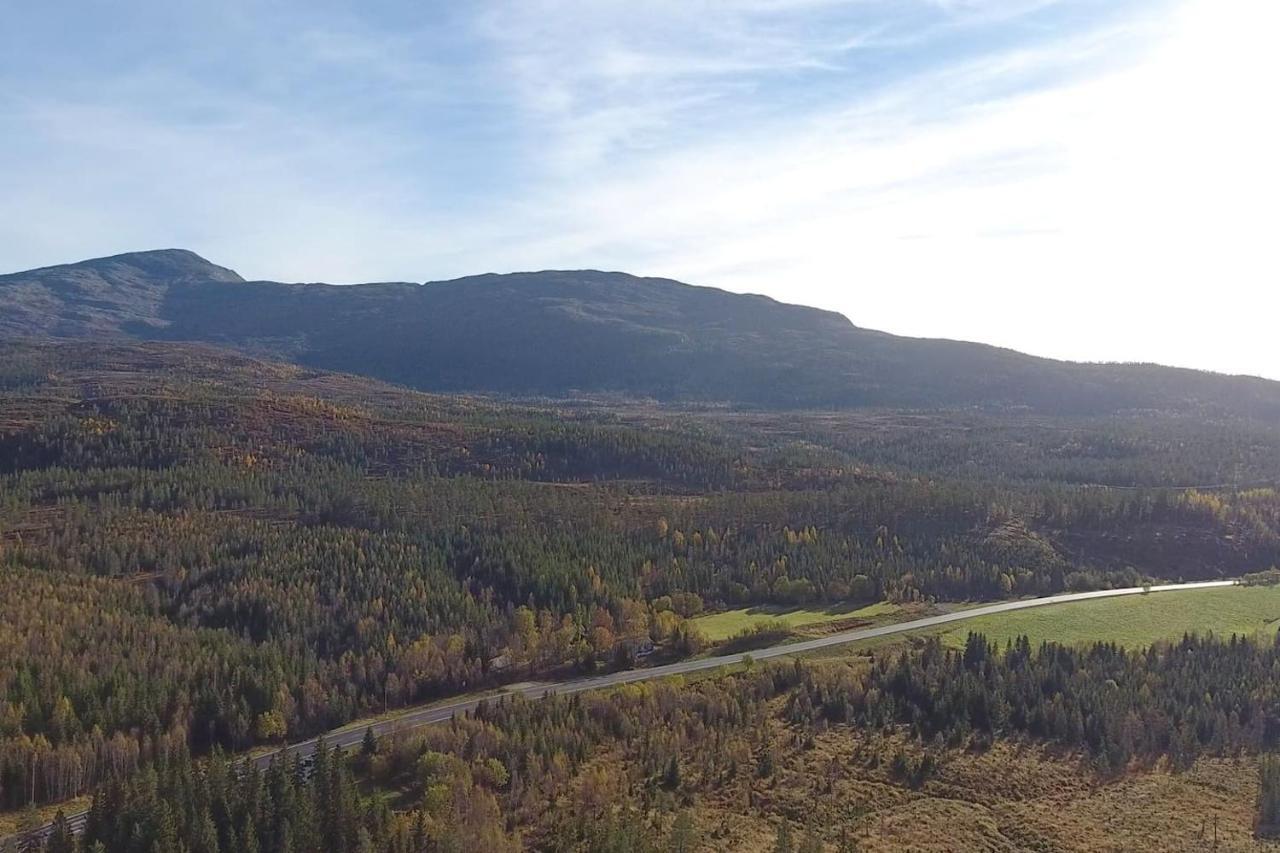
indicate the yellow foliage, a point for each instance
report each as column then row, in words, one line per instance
column 97, row 426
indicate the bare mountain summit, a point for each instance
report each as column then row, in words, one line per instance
column 100, row 297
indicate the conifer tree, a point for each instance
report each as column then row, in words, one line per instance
column 61, row 840
column 1269, row 796
column 784, row 844
column 683, row 837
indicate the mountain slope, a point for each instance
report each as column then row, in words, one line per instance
column 562, row 332
column 99, row 297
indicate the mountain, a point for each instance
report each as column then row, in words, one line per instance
column 557, row 333
column 100, row 298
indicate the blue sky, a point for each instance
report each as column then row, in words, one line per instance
column 1089, row 179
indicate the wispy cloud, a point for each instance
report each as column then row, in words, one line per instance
column 1084, row 178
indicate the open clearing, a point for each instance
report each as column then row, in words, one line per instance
column 1013, row 797
column 1135, row 620
column 721, row 626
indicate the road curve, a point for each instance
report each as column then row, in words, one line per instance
column 351, row 735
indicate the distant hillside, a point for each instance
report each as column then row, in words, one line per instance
column 563, row 332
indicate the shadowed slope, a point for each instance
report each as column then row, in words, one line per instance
column 565, row 332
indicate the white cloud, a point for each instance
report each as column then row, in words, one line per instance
column 1103, row 193
column 1127, row 215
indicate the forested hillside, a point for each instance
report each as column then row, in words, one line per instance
column 566, row 332
column 201, row 550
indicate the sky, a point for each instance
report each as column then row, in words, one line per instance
column 1085, row 179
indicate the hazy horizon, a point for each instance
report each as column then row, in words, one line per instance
column 1085, row 180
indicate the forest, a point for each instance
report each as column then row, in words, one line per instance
column 625, row 770
column 203, row 552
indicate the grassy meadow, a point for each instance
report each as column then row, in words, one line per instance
column 1135, row 620
column 721, row 626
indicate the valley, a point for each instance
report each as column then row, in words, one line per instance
column 209, row 551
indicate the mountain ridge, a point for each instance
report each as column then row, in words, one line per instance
column 556, row 332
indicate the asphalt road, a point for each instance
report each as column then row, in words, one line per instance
column 352, row 735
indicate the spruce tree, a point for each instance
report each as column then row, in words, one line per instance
column 671, row 777
column 1269, row 796
column 61, row 840
column 206, row 840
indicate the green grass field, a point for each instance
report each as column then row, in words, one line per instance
column 721, row 626
column 1135, row 620
column 1131, row 620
